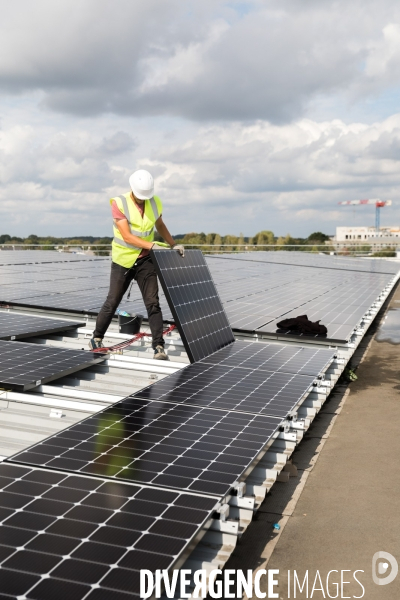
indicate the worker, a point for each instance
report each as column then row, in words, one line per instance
column 134, row 215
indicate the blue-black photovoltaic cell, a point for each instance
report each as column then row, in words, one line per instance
column 285, row 358
column 74, row 302
column 41, row 257
column 257, row 295
column 14, row 326
column 77, row 537
column 184, row 447
column 256, row 290
column 311, row 260
column 25, row 366
column 255, row 391
column 194, row 302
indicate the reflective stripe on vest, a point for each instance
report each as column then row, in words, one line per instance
column 154, row 207
column 127, row 214
column 125, row 244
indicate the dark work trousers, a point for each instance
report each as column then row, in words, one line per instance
column 144, row 273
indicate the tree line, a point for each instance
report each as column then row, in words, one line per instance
column 261, row 238
column 208, row 242
column 258, row 241
column 54, row 243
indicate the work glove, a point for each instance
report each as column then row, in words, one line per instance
column 157, row 247
column 180, row 249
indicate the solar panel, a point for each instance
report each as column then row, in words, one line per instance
column 332, row 310
column 75, row 537
column 15, row 327
column 273, row 357
column 20, row 291
column 262, row 298
column 247, row 316
column 183, row 447
column 87, row 303
column 24, row 257
column 59, row 286
column 257, row 290
column 194, row 302
column 232, row 388
column 315, row 260
column 72, row 279
column 25, row 366
column 41, row 289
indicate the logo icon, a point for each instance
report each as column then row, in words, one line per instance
column 381, row 561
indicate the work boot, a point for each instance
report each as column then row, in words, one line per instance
column 95, row 343
column 159, row 353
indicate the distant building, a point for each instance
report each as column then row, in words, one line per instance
column 386, row 235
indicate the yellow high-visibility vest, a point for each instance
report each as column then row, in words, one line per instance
column 125, row 254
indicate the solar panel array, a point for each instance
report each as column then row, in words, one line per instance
column 299, row 360
column 257, row 295
column 194, row 302
column 31, row 257
column 75, row 537
column 184, row 444
column 201, row 428
column 77, row 284
column 255, row 391
column 183, row 447
column 370, row 265
column 348, row 263
column 137, row 483
column 25, row 366
column 14, row 326
column 257, row 289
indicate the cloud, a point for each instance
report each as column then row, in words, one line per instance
column 72, row 160
column 118, row 143
column 230, row 178
column 383, row 58
column 293, row 176
column 215, row 98
column 214, row 60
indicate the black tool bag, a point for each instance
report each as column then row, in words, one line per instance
column 302, row 325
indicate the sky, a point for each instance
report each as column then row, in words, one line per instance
column 251, row 115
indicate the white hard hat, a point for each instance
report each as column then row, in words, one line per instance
column 142, row 184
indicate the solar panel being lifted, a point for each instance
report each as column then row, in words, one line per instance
column 75, row 537
column 14, row 326
column 194, row 302
column 25, row 366
column 182, row 447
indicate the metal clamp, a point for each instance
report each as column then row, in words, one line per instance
column 223, row 512
column 240, row 489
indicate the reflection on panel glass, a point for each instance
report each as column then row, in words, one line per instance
column 272, row 357
column 255, row 391
column 185, row 447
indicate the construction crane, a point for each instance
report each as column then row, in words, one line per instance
column 378, row 204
